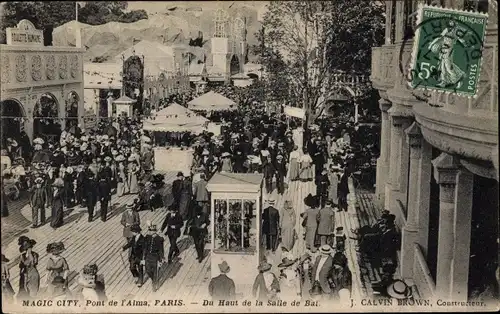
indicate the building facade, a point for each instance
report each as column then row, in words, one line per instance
column 438, row 165
column 40, row 85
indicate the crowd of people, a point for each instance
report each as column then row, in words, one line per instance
column 86, row 167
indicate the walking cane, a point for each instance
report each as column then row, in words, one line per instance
column 123, row 261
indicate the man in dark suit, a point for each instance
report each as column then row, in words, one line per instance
column 268, row 171
column 81, row 181
column 280, row 173
column 222, row 287
column 104, row 194
column 201, row 193
column 322, row 270
column 173, row 223
column 322, row 184
column 91, row 194
column 154, row 255
column 198, row 230
column 270, row 226
column 136, row 244
column 343, row 190
column 177, row 188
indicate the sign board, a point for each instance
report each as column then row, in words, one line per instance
column 24, row 34
column 295, row 112
column 90, row 119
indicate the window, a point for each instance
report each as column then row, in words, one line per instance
column 235, row 226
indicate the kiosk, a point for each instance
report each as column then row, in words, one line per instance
column 235, row 225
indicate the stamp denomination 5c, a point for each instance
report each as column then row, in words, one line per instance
column 447, row 50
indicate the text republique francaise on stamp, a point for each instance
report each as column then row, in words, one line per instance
column 447, row 50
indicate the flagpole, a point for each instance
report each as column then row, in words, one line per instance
column 78, row 33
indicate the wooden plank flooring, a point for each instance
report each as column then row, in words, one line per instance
column 185, row 278
column 367, row 212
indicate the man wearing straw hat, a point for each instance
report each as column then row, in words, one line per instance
column 38, row 201
column 322, row 270
column 222, row 287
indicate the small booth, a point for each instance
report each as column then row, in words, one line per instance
column 235, row 225
column 124, row 105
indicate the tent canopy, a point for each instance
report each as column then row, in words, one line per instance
column 176, row 118
column 212, row 101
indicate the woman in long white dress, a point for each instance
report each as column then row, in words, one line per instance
column 133, row 172
column 293, row 164
column 306, row 168
column 122, row 184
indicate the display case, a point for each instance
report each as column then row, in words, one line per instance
column 235, row 224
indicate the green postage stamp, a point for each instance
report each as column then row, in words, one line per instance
column 447, row 50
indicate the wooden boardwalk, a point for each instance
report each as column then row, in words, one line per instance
column 100, row 242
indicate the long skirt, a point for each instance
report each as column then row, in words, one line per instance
column 184, row 203
column 57, row 216
column 122, row 187
column 133, row 184
column 293, row 170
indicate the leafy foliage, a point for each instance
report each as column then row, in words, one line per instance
column 56, row 13
column 304, row 42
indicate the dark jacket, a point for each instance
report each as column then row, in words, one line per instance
column 325, row 275
column 271, row 221
column 198, row 221
column 222, row 288
column 173, row 225
column 91, row 192
column 343, row 189
column 104, row 190
column 137, row 248
column 154, row 248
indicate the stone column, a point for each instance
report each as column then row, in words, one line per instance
column 462, row 218
column 388, row 22
column 455, row 212
column 445, row 173
column 400, row 21
column 398, row 165
column 418, row 196
column 385, row 144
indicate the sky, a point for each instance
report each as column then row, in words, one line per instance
column 161, row 6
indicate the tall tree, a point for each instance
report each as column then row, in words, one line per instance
column 313, row 39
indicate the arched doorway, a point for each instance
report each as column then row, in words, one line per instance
column 12, row 122
column 72, row 109
column 133, row 79
column 46, row 121
column 235, row 65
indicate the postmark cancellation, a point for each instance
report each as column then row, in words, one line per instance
column 447, row 50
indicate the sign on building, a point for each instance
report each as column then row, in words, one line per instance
column 24, row 34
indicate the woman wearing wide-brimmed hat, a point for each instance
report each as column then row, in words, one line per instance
column 289, row 279
column 7, row 291
column 29, row 278
column 266, row 285
column 58, row 203
column 133, row 173
column 122, row 182
column 226, row 165
column 56, row 265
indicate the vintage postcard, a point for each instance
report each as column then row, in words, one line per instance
column 249, row 156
